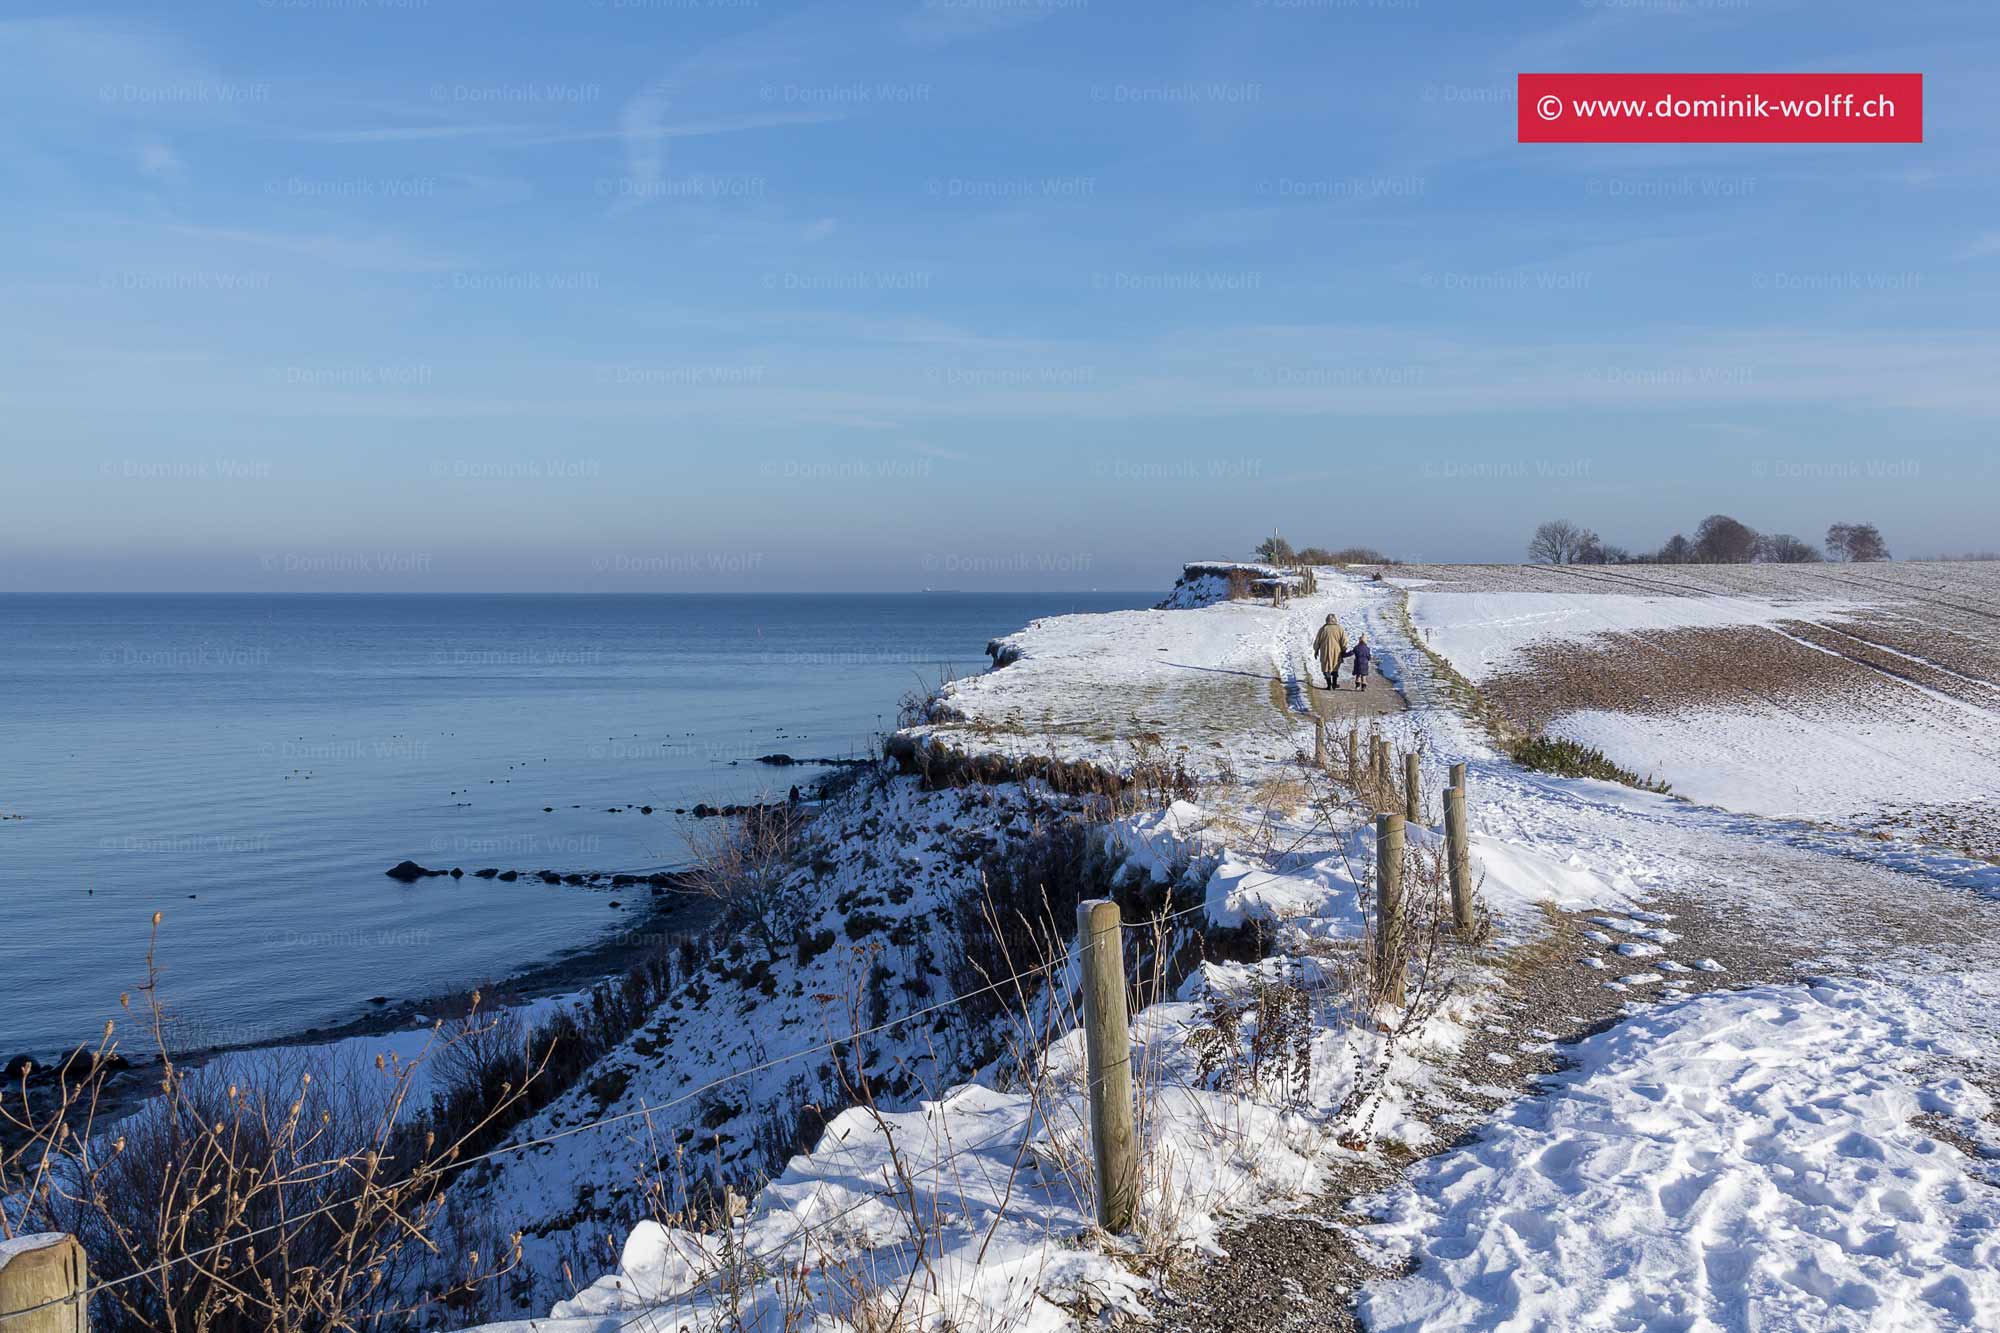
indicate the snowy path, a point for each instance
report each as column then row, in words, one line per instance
column 1742, row 1161
column 1804, row 1153
column 1735, row 1161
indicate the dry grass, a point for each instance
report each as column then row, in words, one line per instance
column 270, row 1195
column 1282, row 792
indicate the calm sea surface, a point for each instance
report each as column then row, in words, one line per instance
column 250, row 765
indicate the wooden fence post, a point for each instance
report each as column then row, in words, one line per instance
column 36, row 1269
column 1458, row 857
column 1353, row 754
column 1458, row 775
column 1108, row 1045
column 1389, row 908
column 1319, row 741
column 1413, row 792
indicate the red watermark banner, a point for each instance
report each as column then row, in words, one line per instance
column 1720, row 108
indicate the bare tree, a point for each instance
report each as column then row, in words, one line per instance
column 1678, row 550
column 1856, row 541
column 1721, row 540
column 1782, row 548
column 1560, row 542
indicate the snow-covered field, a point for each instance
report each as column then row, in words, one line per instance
column 1831, row 694
column 1716, row 1162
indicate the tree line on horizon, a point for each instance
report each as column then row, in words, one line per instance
column 1719, row 540
column 1275, row 550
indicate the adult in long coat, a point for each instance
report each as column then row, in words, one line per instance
column 1330, row 645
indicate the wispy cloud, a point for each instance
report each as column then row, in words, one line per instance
column 369, row 252
column 1986, row 243
column 934, row 22
column 410, row 133
column 643, row 129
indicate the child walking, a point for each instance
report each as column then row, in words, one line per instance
column 1362, row 655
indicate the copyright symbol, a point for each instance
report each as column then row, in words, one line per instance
column 1549, row 107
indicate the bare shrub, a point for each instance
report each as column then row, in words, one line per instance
column 747, row 866
column 1348, row 555
column 923, row 701
column 1275, row 550
column 1159, row 776
column 481, row 1053
column 1250, row 1043
column 269, row 1191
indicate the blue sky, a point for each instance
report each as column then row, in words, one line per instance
column 661, row 294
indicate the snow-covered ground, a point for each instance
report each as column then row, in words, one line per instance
column 1728, row 1161
column 1744, row 1160
column 1841, row 745
column 1483, row 633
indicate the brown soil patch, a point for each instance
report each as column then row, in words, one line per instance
column 1665, row 672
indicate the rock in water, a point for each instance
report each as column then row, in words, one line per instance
column 407, row 871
